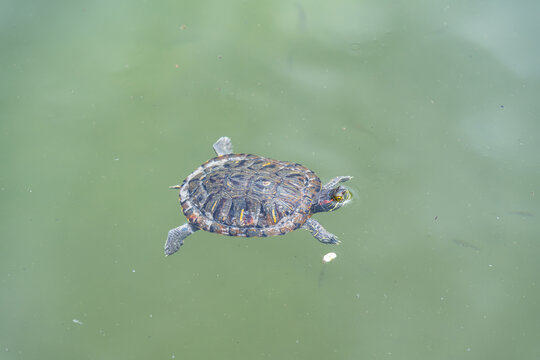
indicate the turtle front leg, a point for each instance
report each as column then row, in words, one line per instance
column 223, row 146
column 320, row 232
column 176, row 237
column 337, row 180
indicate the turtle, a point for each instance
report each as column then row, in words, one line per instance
column 254, row 196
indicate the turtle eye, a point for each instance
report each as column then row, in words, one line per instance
column 341, row 194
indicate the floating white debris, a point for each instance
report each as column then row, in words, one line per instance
column 329, row 257
column 75, row 321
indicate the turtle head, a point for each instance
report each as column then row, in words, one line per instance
column 332, row 196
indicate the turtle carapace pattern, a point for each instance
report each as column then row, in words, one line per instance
column 253, row 196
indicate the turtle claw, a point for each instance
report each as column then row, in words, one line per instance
column 176, row 237
column 337, row 180
column 334, row 241
column 320, row 233
column 330, row 239
column 223, row 146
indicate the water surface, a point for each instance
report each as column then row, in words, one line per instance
column 432, row 107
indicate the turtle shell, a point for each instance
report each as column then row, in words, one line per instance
column 249, row 195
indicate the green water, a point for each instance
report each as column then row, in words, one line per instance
column 432, row 106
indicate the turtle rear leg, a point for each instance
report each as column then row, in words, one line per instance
column 223, row 146
column 176, row 237
column 320, row 232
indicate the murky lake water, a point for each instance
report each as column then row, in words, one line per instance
column 432, row 107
